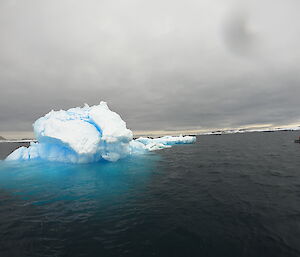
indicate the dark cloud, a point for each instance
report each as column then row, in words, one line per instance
column 160, row 64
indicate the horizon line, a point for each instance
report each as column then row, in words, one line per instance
column 30, row 134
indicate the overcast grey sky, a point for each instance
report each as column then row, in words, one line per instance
column 161, row 64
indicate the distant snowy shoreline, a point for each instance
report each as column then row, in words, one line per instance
column 240, row 131
column 18, row 140
column 217, row 132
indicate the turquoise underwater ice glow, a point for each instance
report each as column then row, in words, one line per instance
column 88, row 134
column 106, row 182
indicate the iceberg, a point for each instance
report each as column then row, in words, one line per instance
column 164, row 142
column 88, row 134
column 167, row 140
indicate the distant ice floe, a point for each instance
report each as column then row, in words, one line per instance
column 165, row 142
column 88, row 134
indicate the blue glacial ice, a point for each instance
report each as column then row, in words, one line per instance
column 88, row 134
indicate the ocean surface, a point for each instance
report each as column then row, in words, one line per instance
column 231, row 195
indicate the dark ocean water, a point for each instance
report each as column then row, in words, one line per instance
column 230, row 195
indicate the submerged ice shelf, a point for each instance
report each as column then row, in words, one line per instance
column 88, row 134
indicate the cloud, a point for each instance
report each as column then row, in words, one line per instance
column 160, row 64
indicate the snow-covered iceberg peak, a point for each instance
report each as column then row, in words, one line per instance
column 87, row 134
column 84, row 134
